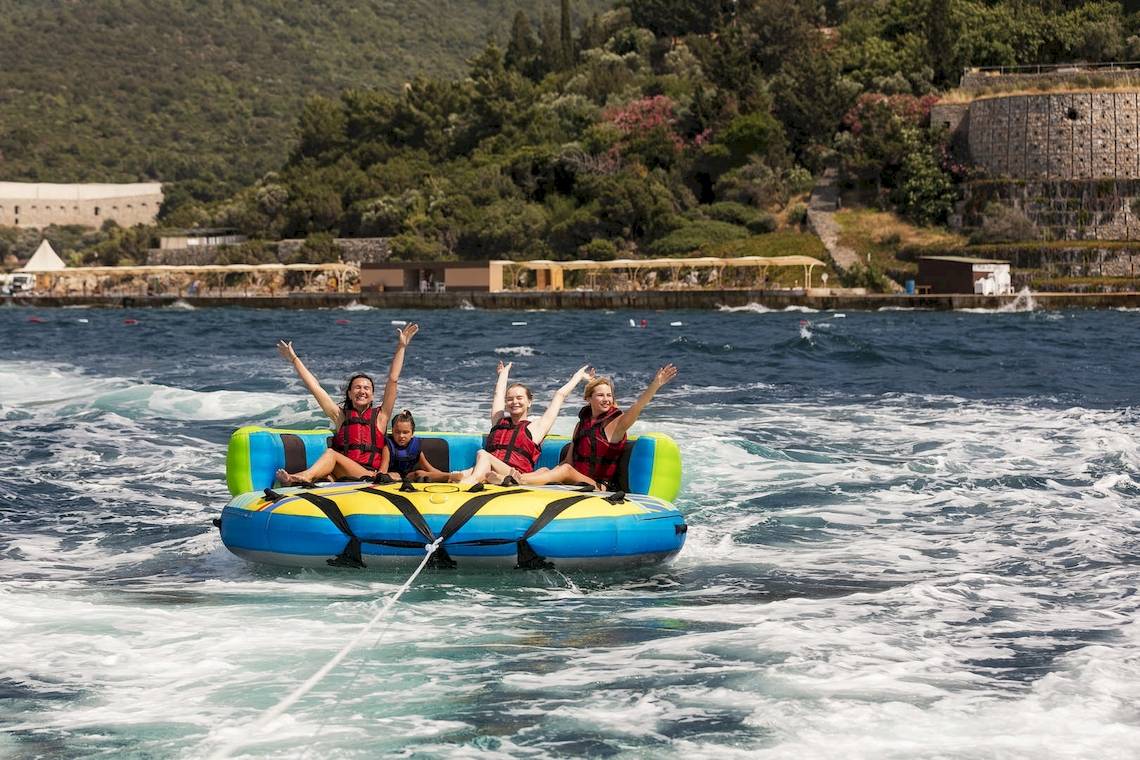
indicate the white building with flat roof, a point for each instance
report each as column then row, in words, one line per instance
column 39, row 204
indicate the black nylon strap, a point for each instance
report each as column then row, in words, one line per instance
column 552, row 510
column 460, row 516
column 350, row 556
column 407, row 509
column 528, row 558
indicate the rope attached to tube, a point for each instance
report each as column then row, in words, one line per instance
column 279, row 709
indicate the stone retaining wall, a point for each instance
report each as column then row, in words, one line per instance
column 645, row 301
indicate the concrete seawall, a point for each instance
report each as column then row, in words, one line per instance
column 646, row 299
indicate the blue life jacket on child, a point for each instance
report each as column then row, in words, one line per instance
column 403, row 460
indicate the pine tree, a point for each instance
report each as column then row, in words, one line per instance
column 522, row 47
column 564, row 35
column 549, row 44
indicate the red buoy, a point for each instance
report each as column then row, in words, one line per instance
column 342, row 321
column 129, row 321
column 37, row 320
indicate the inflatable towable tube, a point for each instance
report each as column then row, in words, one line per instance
column 366, row 524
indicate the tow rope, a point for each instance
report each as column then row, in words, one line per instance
column 277, row 710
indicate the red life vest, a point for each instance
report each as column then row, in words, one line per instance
column 513, row 444
column 593, row 454
column 356, row 437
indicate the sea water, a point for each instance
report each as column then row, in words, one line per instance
column 912, row 535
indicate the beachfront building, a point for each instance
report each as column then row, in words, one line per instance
column 40, row 204
column 433, row 276
column 199, row 238
column 962, row 274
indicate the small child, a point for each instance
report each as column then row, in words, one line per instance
column 402, row 458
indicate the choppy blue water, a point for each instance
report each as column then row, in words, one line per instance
column 912, row 535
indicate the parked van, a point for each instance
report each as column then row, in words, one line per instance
column 17, row 282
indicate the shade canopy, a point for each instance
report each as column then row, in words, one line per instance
column 45, row 259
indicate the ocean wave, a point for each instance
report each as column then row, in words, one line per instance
column 757, row 308
column 356, row 306
column 39, row 386
column 515, row 351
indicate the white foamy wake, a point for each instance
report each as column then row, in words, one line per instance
column 1022, row 303
column 356, row 306
column 515, row 351
column 756, row 308
column 37, row 386
column 900, row 577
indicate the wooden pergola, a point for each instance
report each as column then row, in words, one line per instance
column 256, row 277
column 550, row 274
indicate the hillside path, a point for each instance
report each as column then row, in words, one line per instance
column 822, row 205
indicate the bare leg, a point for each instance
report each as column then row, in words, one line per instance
column 432, row 477
column 563, row 473
column 329, row 463
column 485, row 463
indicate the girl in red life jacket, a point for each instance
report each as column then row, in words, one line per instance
column 358, row 443
column 514, row 443
column 600, row 436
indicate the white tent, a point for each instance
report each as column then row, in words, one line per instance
column 45, row 259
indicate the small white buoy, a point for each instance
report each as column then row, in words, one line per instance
column 518, row 324
column 839, row 316
column 399, row 322
column 676, row 324
column 83, row 321
column 632, row 323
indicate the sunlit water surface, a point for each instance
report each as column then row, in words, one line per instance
column 912, row 535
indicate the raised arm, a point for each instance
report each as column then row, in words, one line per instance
column 403, row 338
column 328, row 406
column 499, row 400
column 619, row 426
column 538, row 430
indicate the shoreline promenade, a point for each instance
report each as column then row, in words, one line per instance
column 579, row 299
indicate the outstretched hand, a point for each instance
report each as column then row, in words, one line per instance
column 285, row 348
column 503, row 367
column 405, row 336
column 664, row 375
column 584, row 372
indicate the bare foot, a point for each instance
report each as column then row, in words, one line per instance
column 287, row 479
column 494, row 478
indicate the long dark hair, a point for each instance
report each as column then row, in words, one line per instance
column 348, row 389
column 404, row 416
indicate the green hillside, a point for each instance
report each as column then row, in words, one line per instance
column 207, row 92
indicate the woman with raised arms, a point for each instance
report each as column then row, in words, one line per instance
column 600, row 436
column 358, row 446
column 514, row 443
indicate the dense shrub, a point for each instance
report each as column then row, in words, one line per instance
column 696, row 236
column 1004, row 224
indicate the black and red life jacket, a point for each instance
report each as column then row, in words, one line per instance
column 356, row 437
column 513, row 444
column 592, row 454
